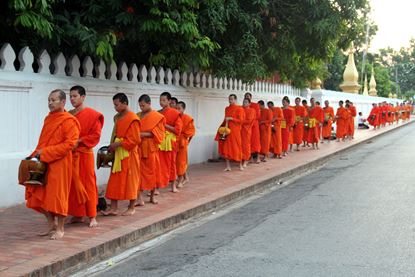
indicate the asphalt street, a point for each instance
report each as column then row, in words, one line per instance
column 355, row 216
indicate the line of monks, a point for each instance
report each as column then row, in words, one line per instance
column 150, row 152
column 384, row 113
column 257, row 131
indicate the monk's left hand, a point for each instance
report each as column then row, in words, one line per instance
column 113, row 146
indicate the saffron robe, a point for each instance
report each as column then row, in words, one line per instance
column 246, row 133
column 298, row 131
column 255, row 137
column 276, row 138
column 125, row 185
column 80, row 205
column 305, row 131
column 373, row 118
column 353, row 113
column 342, row 116
column 168, row 172
column 286, row 127
column 153, row 122
column 328, row 122
column 186, row 135
column 231, row 148
column 265, row 130
column 59, row 135
column 316, row 117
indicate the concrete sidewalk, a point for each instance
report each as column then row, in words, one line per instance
column 22, row 252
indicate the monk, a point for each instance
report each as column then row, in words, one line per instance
column 305, row 131
column 231, row 146
column 287, row 124
column 396, row 110
column 342, row 115
column 300, row 115
column 185, row 137
column 124, row 180
column 59, row 135
column 91, row 123
column 255, row 138
column 246, row 132
column 173, row 102
column 169, row 146
column 316, row 119
column 265, row 130
column 374, row 116
column 383, row 114
column 276, row 139
column 328, row 120
column 152, row 132
column 353, row 113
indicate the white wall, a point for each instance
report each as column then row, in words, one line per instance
column 24, row 93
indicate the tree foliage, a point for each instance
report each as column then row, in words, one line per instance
column 240, row 39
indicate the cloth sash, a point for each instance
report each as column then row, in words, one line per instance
column 120, row 154
column 283, row 124
column 297, row 118
column 167, row 143
column 312, row 122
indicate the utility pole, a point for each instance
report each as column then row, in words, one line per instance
column 364, row 54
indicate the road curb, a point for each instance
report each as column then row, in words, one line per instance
column 115, row 246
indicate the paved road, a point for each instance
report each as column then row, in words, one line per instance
column 353, row 217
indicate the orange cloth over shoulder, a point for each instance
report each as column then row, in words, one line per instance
column 168, row 172
column 265, row 130
column 231, row 148
column 83, row 196
column 353, row 113
column 286, row 127
column 59, row 135
column 246, row 133
column 342, row 116
column 255, row 136
column 328, row 122
column 124, row 185
column 276, row 138
column 186, row 135
column 315, row 114
column 153, row 122
column 298, row 131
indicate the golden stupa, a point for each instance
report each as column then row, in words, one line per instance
column 350, row 76
column 316, row 84
column 372, row 84
column 365, row 90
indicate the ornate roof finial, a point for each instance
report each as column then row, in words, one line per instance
column 350, row 75
column 372, row 84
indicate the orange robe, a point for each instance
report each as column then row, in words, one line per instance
column 383, row 115
column 186, row 135
column 373, row 118
column 124, row 185
column 59, row 135
column 168, row 158
column 316, row 115
column 353, row 113
column 291, row 136
column 286, row 126
column 276, row 138
column 328, row 122
column 255, row 137
column 396, row 114
column 342, row 117
column 231, row 148
column 153, row 122
column 246, row 133
column 91, row 123
column 265, row 130
column 298, row 131
column 305, row 132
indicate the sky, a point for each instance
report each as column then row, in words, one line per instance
column 395, row 20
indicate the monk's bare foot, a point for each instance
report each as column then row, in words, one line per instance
column 186, row 180
column 297, row 149
column 174, row 190
column 156, row 192
column 51, row 231
column 128, row 212
column 227, row 169
column 154, row 201
column 109, row 213
column 76, row 219
column 57, row 235
column 180, row 185
column 93, row 223
column 241, row 168
column 139, row 203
